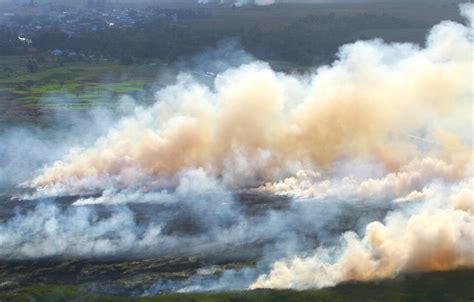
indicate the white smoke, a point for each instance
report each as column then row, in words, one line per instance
column 409, row 178
column 198, row 216
column 239, row 3
column 258, row 125
column 387, row 127
column 436, row 235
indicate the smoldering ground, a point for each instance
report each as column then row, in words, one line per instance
column 373, row 155
column 212, row 225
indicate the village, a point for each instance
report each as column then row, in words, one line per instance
column 29, row 17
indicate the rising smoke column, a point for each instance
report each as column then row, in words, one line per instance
column 258, row 125
column 437, row 235
column 404, row 109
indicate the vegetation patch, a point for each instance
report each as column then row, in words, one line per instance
column 428, row 287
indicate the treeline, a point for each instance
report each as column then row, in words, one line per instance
column 316, row 39
column 309, row 40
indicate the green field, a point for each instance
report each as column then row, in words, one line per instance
column 62, row 87
column 442, row 286
column 92, row 81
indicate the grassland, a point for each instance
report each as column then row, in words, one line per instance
column 90, row 80
column 64, row 86
column 439, row 286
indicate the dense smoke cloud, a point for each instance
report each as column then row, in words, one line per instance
column 410, row 178
column 48, row 231
column 385, row 131
column 256, row 124
column 434, row 236
column 213, row 222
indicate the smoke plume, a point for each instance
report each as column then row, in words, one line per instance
column 256, row 124
column 437, row 235
column 376, row 146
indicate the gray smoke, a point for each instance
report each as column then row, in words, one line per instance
column 200, row 215
column 201, row 171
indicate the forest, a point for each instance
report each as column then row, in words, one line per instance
column 309, row 40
